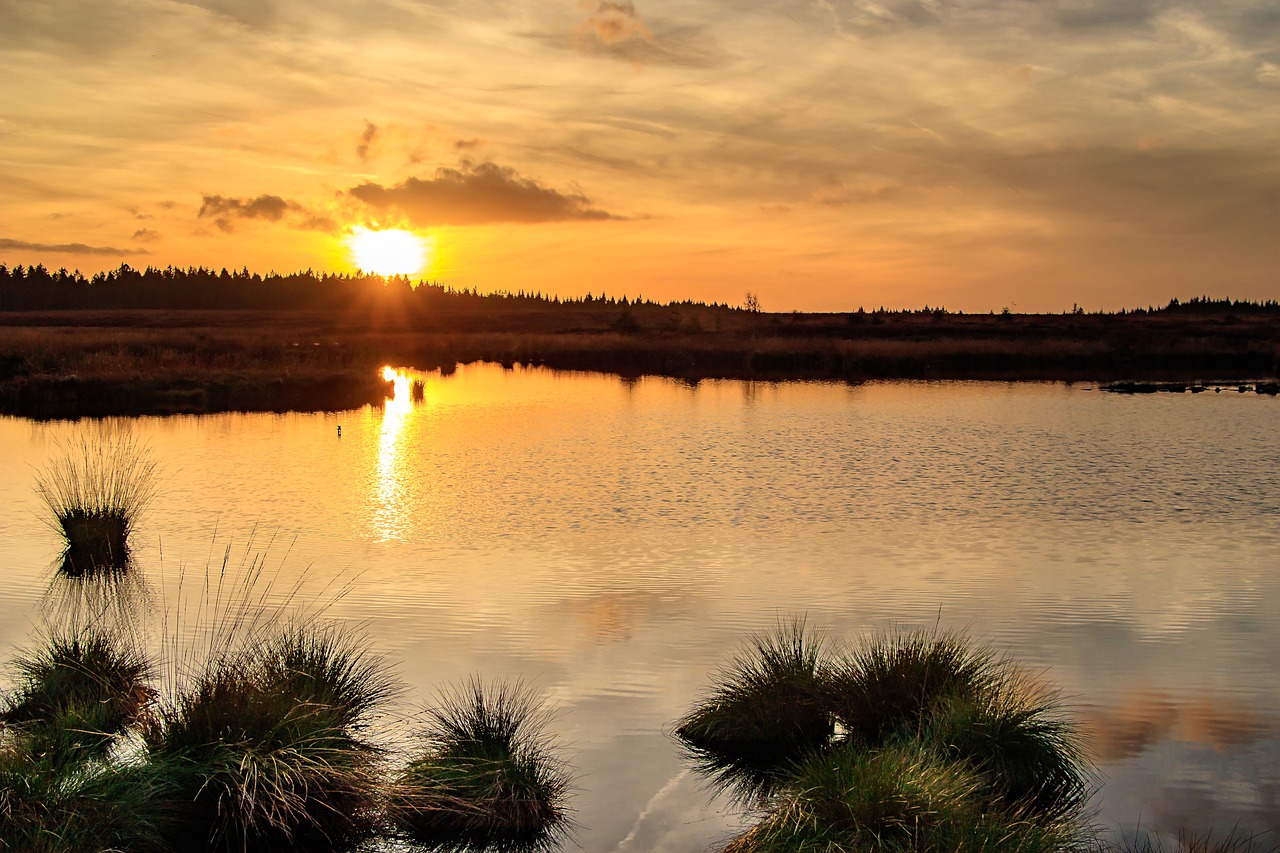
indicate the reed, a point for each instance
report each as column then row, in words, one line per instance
column 487, row 776
column 264, row 748
column 95, row 491
column 768, row 709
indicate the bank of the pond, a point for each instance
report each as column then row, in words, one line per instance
column 95, row 363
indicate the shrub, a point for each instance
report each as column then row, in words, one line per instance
column 487, row 777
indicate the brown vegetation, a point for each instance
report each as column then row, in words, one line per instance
column 72, row 363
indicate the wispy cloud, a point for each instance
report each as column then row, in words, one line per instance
column 66, row 248
column 477, row 194
column 367, row 138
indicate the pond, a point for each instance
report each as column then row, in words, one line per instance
column 611, row 542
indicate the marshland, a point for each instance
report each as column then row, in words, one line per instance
column 596, row 553
column 161, row 341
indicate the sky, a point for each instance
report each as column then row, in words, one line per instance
column 822, row 154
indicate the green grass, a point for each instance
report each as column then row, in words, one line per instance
column 95, row 491
column 913, row 741
column 894, row 681
column 768, row 709
column 75, row 693
column 486, row 778
column 92, row 807
column 265, row 749
column 898, row 799
column 1016, row 740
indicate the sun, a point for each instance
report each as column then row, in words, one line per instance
column 389, row 252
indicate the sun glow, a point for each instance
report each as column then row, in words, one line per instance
column 389, row 252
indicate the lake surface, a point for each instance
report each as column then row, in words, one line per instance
column 611, row 542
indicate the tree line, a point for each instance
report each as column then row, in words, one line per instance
column 35, row 288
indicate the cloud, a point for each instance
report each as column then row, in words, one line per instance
column 146, row 235
column 224, row 211
column 615, row 30
column 67, row 248
column 477, row 195
column 611, row 23
column 367, row 139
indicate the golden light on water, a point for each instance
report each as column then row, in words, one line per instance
column 389, row 483
column 387, row 252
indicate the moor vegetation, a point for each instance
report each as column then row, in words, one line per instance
column 265, row 747
column 195, row 340
column 911, row 742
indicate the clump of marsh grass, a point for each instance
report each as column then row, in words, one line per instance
column 265, row 748
column 75, row 693
column 1015, row 739
column 768, row 709
column 46, row 807
column 487, row 777
column 894, row 681
column 915, row 741
column 898, row 799
column 95, row 491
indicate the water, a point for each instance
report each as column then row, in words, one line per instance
column 611, row 542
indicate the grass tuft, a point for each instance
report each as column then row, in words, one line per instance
column 95, row 492
column 898, row 799
column 1017, row 741
column 75, row 693
column 894, row 681
column 768, row 710
column 487, row 778
column 264, row 748
column 93, row 807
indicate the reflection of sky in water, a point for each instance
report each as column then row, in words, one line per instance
column 612, row 541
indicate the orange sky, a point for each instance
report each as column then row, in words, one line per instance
column 825, row 154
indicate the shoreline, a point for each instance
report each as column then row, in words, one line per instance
column 102, row 363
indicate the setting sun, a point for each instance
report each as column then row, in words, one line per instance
column 389, row 252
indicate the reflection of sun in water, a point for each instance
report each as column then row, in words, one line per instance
column 389, row 515
column 388, row 252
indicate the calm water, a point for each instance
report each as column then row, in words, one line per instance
column 611, row 542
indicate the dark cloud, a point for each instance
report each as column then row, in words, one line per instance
column 67, row 248
column 467, row 144
column 146, row 235
column 224, row 211
column 367, row 138
column 476, row 195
